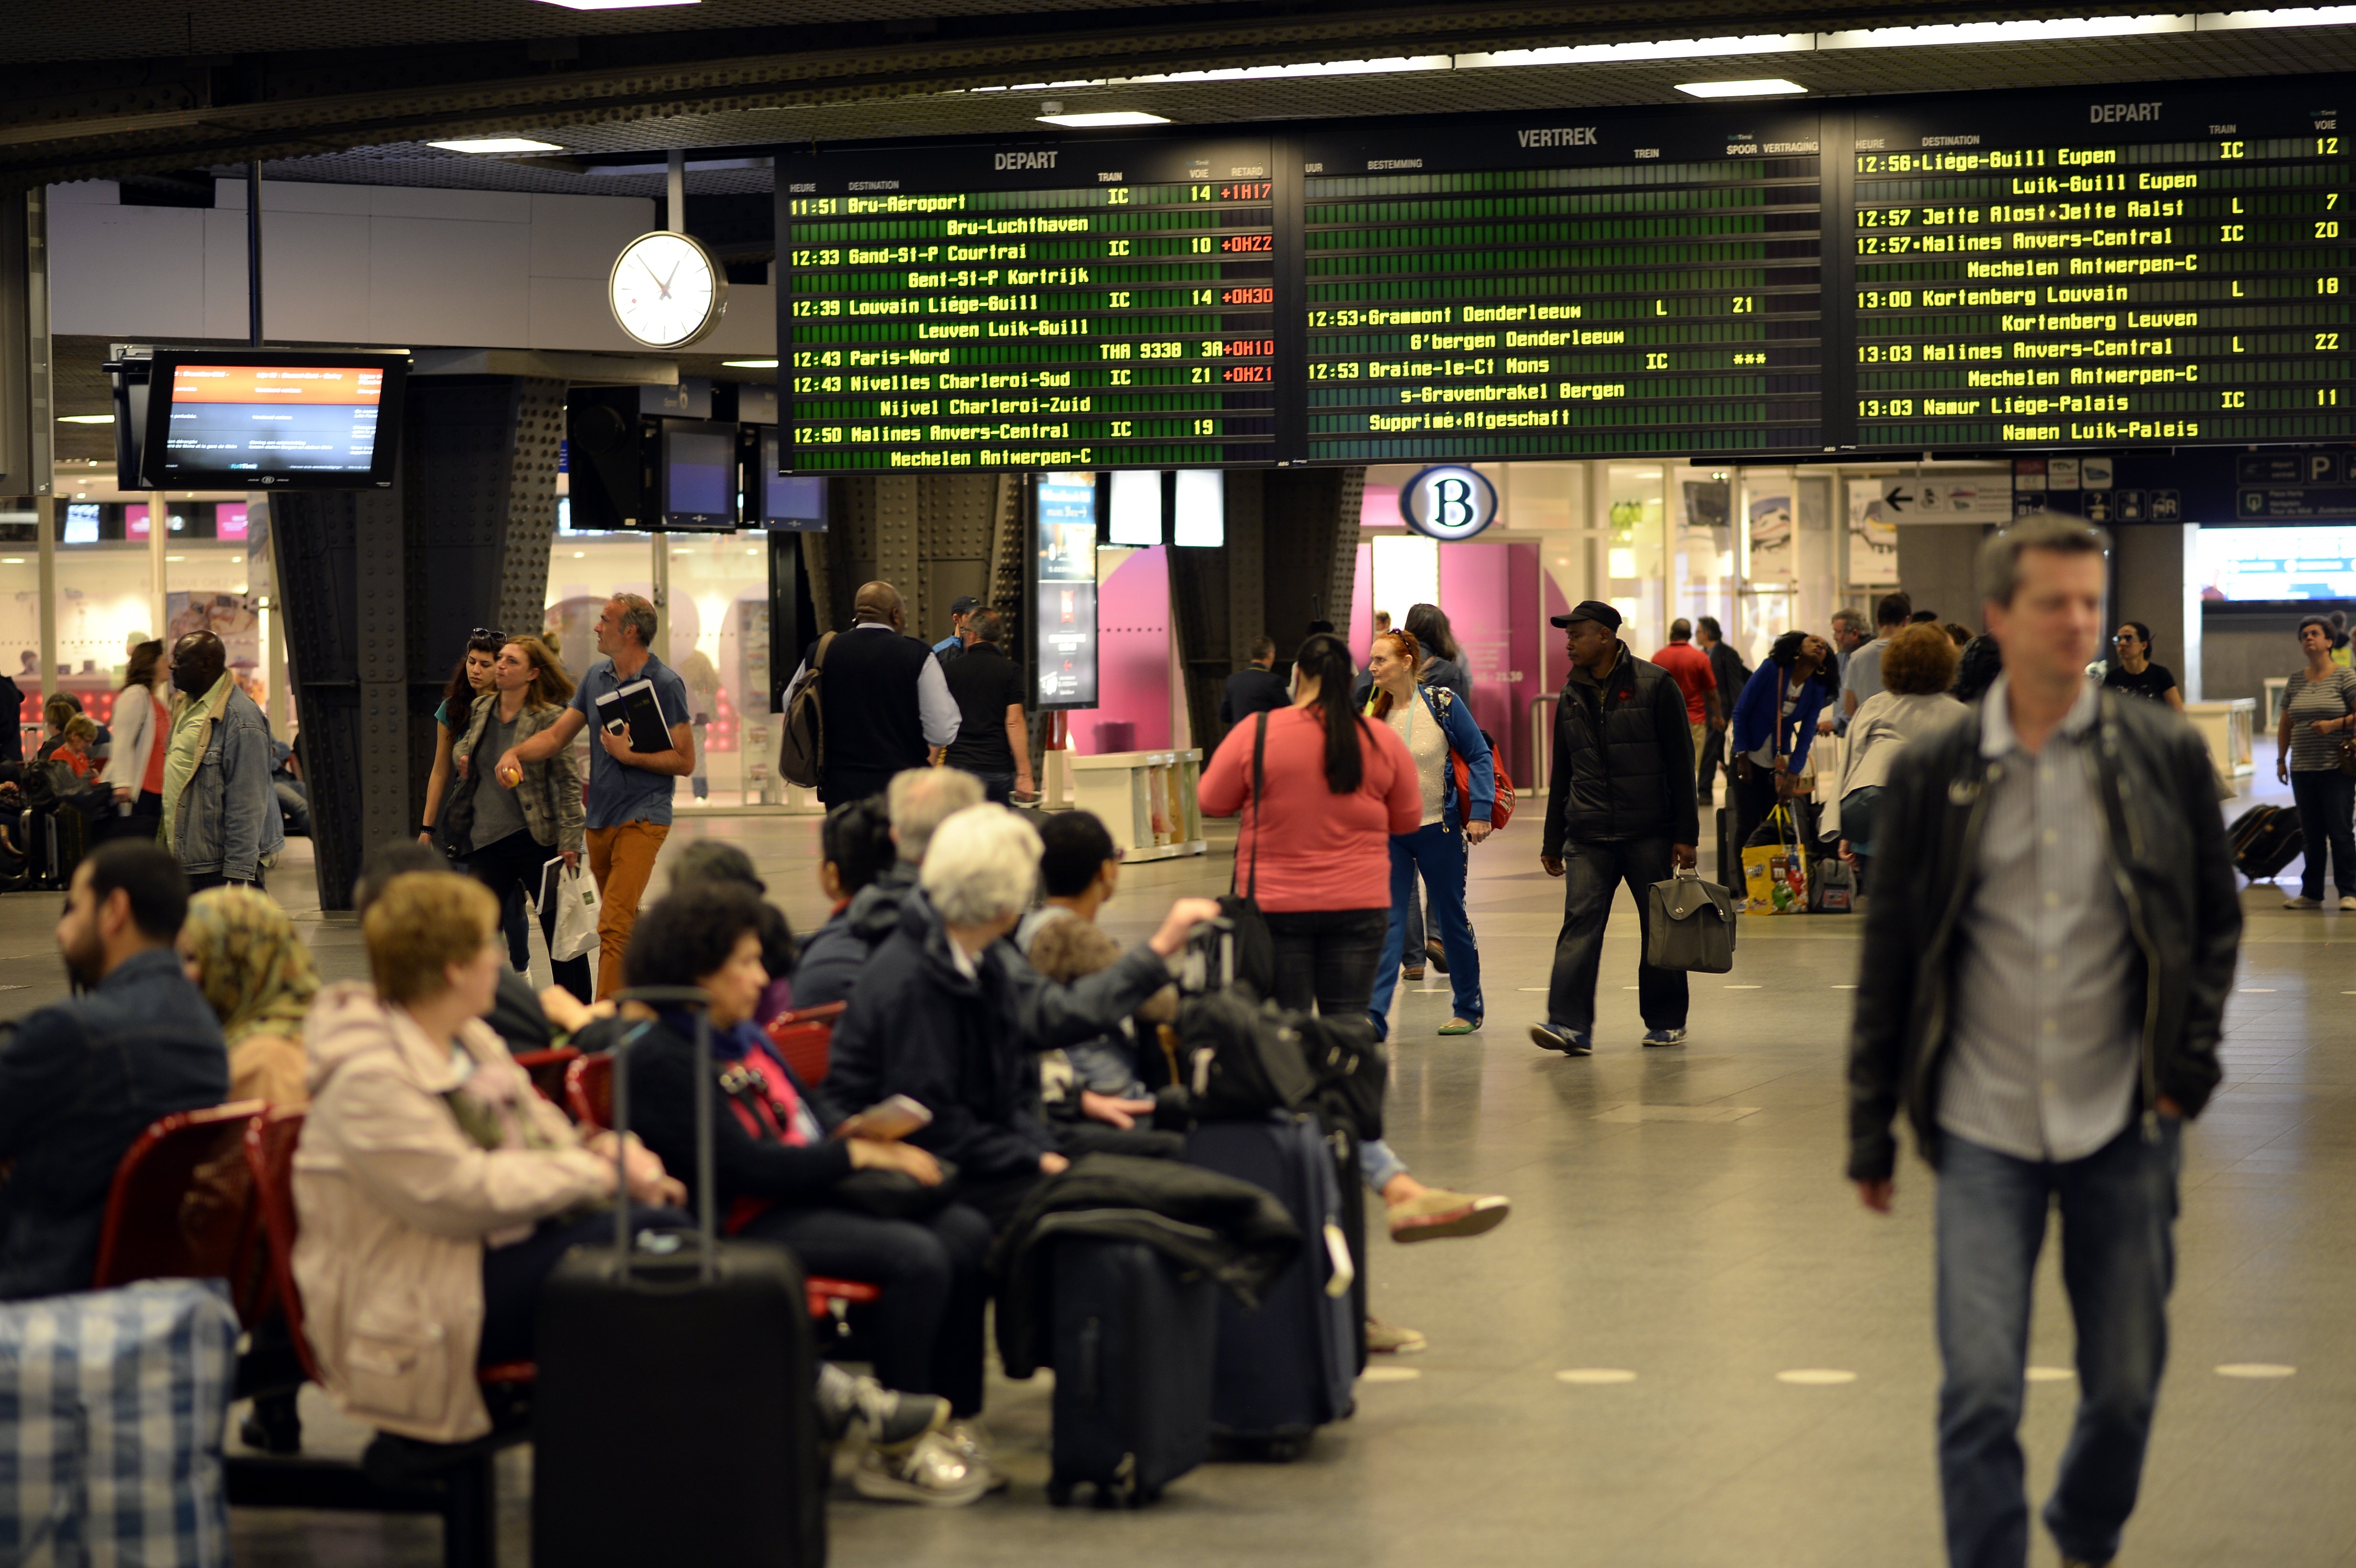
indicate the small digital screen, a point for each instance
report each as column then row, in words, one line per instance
column 81, row 523
column 2278, row 565
column 1065, row 636
column 795, row 501
column 272, row 418
column 701, row 473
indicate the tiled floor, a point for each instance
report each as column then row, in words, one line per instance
column 1704, row 1256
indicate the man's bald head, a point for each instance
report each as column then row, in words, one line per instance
column 879, row 600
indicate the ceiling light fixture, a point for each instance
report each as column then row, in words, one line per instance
column 1758, row 87
column 616, row 4
column 2290, row 17
column 750, row 364
column 495, row 144
column 1660, row 49
column 2021, row 30
column 85, row 419
column 1105, row 117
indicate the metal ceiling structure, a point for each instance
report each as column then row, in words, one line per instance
column 324, row 90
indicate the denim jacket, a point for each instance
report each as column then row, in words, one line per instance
column 227, row 822
column 79, row 1081
column 1454, row 717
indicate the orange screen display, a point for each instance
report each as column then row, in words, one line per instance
column 310, row 385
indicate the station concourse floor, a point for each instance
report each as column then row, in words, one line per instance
column 1681, row 1244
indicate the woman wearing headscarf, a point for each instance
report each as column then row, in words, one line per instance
column 241, row 951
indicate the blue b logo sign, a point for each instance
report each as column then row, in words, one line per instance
column 1447, row 503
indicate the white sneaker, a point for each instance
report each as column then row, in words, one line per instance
column 2348, row 901
column 2302, row 903
column 971, row 1444
column 927, row 1470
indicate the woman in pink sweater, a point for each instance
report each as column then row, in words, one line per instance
column 1315, row 849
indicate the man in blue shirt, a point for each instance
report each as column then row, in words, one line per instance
column 81, row 1081
column 629, row 791
column 961, row 612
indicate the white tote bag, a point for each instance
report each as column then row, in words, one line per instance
column 576, row 892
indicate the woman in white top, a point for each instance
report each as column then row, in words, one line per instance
column 1434, row 724
column 142, row 723
column 1917, row 670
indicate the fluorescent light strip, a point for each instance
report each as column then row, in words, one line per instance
column 1758, row 87
column 495, row 144
column 1948, row 34
column 1104, row 117
column 615, row 5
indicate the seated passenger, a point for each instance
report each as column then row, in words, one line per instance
column 82, row 1080
column 781, row 1179
column 716, row 861
column 1078, row 869
column 522, row 1019
column 948, row 1013
column 74, row 747
column 919, row 800
column 855, row 847
column 436, row 1189
column 241, row 951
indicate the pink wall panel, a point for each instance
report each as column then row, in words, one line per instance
column 1132, row 653
column 1361, row 629
column 1476, row 590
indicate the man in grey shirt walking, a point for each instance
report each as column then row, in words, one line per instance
column 2046, row 963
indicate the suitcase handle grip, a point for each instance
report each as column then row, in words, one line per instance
column 697, row 1001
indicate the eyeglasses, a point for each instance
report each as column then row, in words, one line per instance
column 487, row 634
column 2127, row 637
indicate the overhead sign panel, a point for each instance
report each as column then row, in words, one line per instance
column 1078, row 305
column 1565, row 284
column 2114, row 268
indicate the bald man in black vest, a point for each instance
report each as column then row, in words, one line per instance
column 886, row 704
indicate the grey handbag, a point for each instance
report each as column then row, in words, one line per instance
column 1692, row 926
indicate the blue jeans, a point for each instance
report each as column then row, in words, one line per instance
column 2119, row 1260
column 2325, row 797
column 1437, row 852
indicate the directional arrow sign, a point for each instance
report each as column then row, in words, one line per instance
column 1898, row 500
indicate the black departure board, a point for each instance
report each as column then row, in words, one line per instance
column 1561, row 284
column 1086, row 303
column 2115, row 267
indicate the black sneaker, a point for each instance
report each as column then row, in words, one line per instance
column 1553, row 1037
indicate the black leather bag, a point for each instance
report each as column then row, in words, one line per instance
column 894, row 1194
column 1255, row 948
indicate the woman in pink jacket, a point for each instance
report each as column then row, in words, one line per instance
column 435, row 1189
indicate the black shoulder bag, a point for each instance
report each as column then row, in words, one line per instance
column 1255, row 948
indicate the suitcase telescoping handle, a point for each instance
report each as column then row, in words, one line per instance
column 696, row 1000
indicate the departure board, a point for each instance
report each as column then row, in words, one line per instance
column 1567, row 283
column 2111, row 267
column 1078, row 305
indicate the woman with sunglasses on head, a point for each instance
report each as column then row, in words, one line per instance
column 518, row 822
column 469, row 678
column 2134, row 672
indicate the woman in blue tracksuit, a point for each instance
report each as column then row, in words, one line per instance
column 1436, row 726
column 1775, row 722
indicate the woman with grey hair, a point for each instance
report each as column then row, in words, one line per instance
column 948, row 1013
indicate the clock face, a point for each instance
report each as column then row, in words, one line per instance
column 666, row 292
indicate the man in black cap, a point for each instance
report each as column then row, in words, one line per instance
column 1620, row 808
column 961, row 611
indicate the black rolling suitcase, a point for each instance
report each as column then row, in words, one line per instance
column 1287, row 1369
column 1134, row 1339
column 2265, row 838
column 674, row 1418
column 1730, row 850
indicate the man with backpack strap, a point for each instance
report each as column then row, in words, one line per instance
column 881, row 704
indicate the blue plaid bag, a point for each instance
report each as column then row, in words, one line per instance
column 111, row 1408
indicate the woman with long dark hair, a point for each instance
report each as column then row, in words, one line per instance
column 469, row 678
column 1314, row 847
column 1440, row 659
column 1775, row 722
column 143, row 722
column 521, row 822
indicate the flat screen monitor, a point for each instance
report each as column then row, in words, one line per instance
column 792, row 502
column 698, row 474
column 251, row 418
column 2278, row 565
column 1063, row 572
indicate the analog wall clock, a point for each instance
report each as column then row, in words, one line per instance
column 666, row 290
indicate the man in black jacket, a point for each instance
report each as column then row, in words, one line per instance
column 1620, row 808
column 884, row 703
column 1255, row 688
column 1732, row 676
column 2047, row 955
column 81, row 1081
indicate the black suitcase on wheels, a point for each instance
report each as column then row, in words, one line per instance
column 1134, row 1339
column 1287, row 1369
column 674, row 1417
column 2265, row 838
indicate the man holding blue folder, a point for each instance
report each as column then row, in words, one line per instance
column 643, row 745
